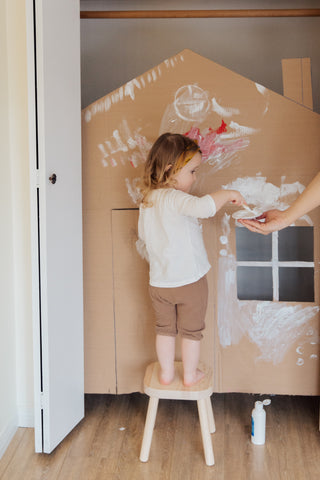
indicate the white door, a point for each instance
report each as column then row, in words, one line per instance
column 53, row 36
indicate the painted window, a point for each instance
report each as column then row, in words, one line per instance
column 278, row 267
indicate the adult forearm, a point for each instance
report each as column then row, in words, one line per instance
column 307, row 201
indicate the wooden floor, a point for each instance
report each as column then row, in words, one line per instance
column 106, row 444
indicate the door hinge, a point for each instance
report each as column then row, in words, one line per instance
column 37, row 178
column 41, row 400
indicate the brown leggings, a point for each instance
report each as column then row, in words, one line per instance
column 181, row 309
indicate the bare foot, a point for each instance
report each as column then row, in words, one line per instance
column 190, row 380
column 166, row 378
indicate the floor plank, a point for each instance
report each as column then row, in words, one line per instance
column 106, row 443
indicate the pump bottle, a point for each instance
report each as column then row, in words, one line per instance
column 258, row 422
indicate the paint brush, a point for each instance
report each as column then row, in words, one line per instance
column 251, row 213
column 248, row 209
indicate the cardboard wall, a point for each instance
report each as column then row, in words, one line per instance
column 269, row 149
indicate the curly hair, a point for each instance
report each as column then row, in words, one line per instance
column 169, row 153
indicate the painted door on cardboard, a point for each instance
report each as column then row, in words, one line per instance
column 264, row 334
column 55, row 138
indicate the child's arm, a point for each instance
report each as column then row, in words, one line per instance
column 221, row 197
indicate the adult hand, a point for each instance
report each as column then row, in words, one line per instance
column 273, row 220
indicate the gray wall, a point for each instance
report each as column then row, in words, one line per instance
column 115, row 51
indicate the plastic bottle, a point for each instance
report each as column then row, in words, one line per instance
column 258, row 422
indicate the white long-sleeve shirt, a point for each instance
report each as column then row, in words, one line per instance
column 173, row 236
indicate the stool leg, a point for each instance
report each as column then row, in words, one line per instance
column 148, row 428
column 212, row 426
column 206, row 438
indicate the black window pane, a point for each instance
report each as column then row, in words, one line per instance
column 296, row 284
column 253, row 246
column 254, row 283
column 296, row 244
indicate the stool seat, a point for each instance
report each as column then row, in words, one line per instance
column 201, row 392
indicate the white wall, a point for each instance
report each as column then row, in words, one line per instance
column 8, row 412
column 16, row 368
column 19, row 147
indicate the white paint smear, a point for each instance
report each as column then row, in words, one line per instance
column 133, row 190
column 191, row 103
column 122, row 141
column 265, row 195
column 223, row 111
column 242, row 130
column 261, row 89
column 300, row 362
column 272, row 326
column 238, row 131
column 275, row 327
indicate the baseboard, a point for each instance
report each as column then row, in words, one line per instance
column 7, row 434
column 25, row 416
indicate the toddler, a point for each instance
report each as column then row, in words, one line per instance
column 173, row 244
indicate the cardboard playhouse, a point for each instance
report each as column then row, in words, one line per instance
column 262, row 323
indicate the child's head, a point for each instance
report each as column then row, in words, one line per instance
column 169, row 154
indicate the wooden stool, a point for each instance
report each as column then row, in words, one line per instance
column 201, row 392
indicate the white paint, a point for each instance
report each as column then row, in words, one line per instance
column 275, row 266
column 129, row 90
column 242, row 130
column 121, row 141
column 265, row 195
column 104, row 104
column 87, row 115
column 276, row 326
column 291, row 188
column 103, row 150
column 223, row 111
column 300, row 362
column 141, row 249
column 313, row 356
column 299, row 350
column 246, row 214
column 223, row 239
column 272, row 326
column 120, row 144
column 191, row 103
column 223, row 252
column 133, row 190
column 261, row 89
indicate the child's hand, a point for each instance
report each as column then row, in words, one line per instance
column 236, row 198
column 221, row 197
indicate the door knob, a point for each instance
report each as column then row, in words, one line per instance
column 53, row 178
